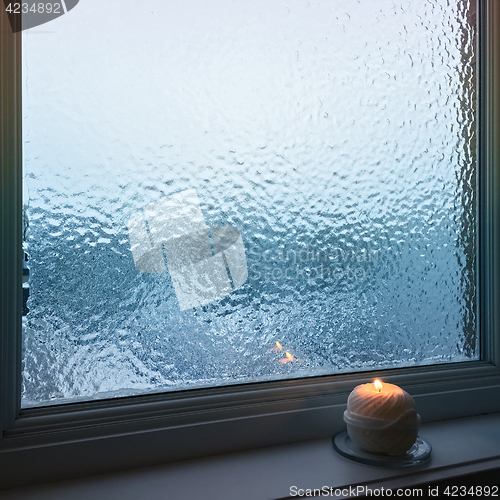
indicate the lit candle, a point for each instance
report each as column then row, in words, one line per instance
column 381, row 418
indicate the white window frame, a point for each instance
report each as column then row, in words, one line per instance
column 63, row 441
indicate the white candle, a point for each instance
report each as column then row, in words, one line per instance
column 381, row 418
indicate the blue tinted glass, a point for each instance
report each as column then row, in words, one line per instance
column 204, row 180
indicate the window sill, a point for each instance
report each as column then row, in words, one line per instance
column 460, row 446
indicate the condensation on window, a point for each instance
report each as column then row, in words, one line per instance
column 222, row 192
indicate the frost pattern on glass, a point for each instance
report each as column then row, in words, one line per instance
column 338, row 139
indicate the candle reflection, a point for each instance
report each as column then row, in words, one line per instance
column 288, row 358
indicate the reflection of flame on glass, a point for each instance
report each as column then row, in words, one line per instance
column 378, row 385
column 288, row 358
column 278, row 347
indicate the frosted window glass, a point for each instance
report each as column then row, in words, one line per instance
column 204, row 179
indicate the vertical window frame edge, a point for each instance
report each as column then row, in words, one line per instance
column 489, row 175
column 10, row 222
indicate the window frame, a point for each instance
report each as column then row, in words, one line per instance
column 76, row 439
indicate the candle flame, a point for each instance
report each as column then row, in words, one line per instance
column 277, row 348
column 378, row 385
column 288, row 358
